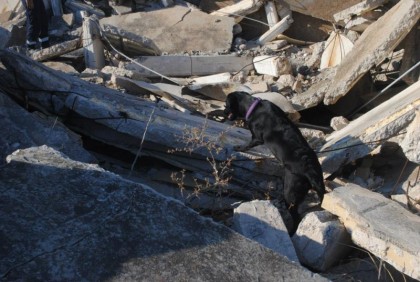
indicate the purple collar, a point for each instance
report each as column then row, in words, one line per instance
column 252, row 107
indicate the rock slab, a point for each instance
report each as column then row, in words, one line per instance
column 379, row 225
column 321, row 240
column 62, row 220
column 261, row 221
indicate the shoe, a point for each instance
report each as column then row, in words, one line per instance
column 45, row 42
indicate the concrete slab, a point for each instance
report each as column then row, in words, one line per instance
column 375, row 44
column 173, row 30
column 379, row 225
column 67, row 220
column 358, row 138
column 261, row 221
column 185, row 66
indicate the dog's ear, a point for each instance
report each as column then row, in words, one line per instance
column 231, row 106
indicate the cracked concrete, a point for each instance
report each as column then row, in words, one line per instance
column 173, row 30
column 379, row 225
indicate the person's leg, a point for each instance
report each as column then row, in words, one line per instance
column 42, row 22
column 32, row 30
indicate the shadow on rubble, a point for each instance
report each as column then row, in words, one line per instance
column 73, row 221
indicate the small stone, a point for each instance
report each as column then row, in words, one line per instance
column 338, row 123
column 321, row 240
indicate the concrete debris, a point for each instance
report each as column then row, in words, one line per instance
column 182, row 66
column 358, row 9
column 338, row 123
column 371, row 48
column 364, row 134
column 372, row 221
column 100, row 217
column 143, row 85
column 172, row 30
column 321, row 240
column 261, row 221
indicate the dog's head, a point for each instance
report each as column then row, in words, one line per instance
column 231, row 107
column 236, row 105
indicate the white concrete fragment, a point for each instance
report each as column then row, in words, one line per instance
column 384, row 121
column 261, row 221
column 321, row 240
column 271, row 65
column 272, row 16
column 379, row 225
column 278, row 28
column 199, row 82
column 92, row 44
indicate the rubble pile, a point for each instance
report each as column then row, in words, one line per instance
column 130, row 96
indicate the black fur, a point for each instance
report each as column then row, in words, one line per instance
column 270, row 126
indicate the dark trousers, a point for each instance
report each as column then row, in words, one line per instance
column 36, row 23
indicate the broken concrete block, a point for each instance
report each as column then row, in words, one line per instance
column 322, row 9
column 261, row 221
column 257, row 87
column 321, row 240
column 173, row 30
column 379, row 225
column 285, row 80
column 272, row 15
column 8, row 5
column 411, row 142
column 383, row 122
column 272, row 65
column 338, row 123
column 379, row 39
column 277, row 29
column 108, row 71
column 186, row 66
column 92, row 43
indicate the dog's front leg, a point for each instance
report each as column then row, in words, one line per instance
column 254, row 142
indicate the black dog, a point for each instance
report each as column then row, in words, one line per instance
column 269, row 125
